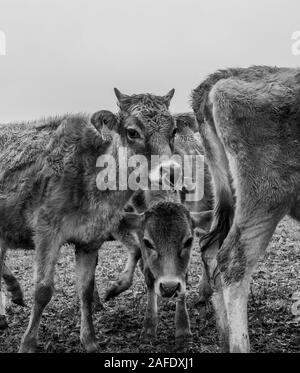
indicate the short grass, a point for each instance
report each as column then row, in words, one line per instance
column 272, row 325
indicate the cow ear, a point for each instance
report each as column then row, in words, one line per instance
column 202, row 220
column 105, row 119
column 168, row 97
column 132, row 220
column 122, row 98
column 186, row 120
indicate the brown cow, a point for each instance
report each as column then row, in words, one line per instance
column 249, row 121
column 49, row 195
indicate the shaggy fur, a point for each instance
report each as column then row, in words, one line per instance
column 249, row 120
column 49, row 196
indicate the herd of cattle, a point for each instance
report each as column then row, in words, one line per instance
column 246, row 123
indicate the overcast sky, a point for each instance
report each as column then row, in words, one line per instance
column 67, row 55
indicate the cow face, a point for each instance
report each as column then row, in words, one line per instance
column 165, row 233
column 144, row 123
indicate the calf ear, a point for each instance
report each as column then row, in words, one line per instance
column 168, row 97
column 105, row 119
column 186, row 120
column 202, row 220
column 132, row 220
column 122, row 98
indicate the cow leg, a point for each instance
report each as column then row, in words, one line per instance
column 182, row 321
column 151, row 319
column 98, row 306
column 47, row 251
column 213, row 286
column 218, row 303
column 86, row 262
column 125, row 280
column 13, row 286
column 246, row 241
column 3, row 322
column 205, row 290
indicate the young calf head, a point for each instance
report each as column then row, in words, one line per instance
column 165, row 233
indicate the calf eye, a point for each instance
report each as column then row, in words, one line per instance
column 188, row 243
column 174, row 132
column 132, row 134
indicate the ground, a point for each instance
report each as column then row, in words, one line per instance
column 272, row 325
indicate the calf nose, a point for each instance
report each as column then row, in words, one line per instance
column 168, row 289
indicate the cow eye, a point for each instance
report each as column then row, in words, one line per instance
column 148, row 244
column 105, row 121
column 174, row 132
column 132, row 134
column 188, row 243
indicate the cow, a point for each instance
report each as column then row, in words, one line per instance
column 164, row 237
column 49, row 194
column 249, row 122
column 157, row 229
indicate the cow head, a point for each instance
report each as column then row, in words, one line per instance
column 144, row 124
column 165, row 234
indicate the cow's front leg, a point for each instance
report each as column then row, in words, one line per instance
column 151, row 319
column 47, row 250
column 86, row 262
column 3, row 322
column 182, row 321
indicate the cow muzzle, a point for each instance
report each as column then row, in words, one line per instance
column 169, row 288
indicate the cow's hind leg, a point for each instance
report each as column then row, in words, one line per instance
column 47, row 250
column 3, row 322
column 246, row 241
column 13, row 286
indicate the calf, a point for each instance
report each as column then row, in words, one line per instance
column 49, row 195
column 165, row 237
column 249, row 121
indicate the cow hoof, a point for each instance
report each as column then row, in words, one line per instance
column 28, row 347
column 91, row 347
column 183, row 340
column 90, row 344
column 3, row 322
column 183, row 336
column 147, row 336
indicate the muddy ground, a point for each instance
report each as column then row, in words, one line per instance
column 272, row 325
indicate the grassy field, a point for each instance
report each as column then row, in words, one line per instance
column 271, row 323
